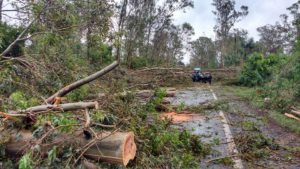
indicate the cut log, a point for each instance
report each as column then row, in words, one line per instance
column 160, row 68
column 144, row 94
column 296, row 113
column 291, row 116
column 77, row 84
column 171, row 94
column 116, row 148
column 165, row 101
column 170, row 89
column 61, row 107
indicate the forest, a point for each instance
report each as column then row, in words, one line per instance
column 103, row 84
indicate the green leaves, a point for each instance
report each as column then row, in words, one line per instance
column 26, row 162
column 19, row 100
column 258, row 69
column 52, row 155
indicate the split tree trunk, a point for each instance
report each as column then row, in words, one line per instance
column 117, row 148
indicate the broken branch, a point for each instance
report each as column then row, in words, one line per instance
column 291, row 116
column 75, row 85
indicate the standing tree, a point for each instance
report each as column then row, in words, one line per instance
column 144, row 21
column 1, row 3
column 278, row 37
column 226, row 16
column 203, row 53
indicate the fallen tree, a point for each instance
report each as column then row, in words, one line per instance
column 292, row 116
column 111, row 147
column 62, row 107
column 31, row 111
column 295, row 112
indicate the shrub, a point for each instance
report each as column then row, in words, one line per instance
column 138, row 62
column 79, row 94
column 258, row 69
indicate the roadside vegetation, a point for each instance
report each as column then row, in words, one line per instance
column 50, row 44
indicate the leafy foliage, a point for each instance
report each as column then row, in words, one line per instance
column 7, row 35
column 258, row 69
column 26, row 162
column 139, row 62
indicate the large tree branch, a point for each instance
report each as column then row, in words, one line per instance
column 9, row 48
column 19, row 38
column 81, row 82
column 62, row 107
column 49, row 107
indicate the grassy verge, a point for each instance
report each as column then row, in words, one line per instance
column 282, row 120
column 256, row 98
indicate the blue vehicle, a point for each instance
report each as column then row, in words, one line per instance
column 199, row 76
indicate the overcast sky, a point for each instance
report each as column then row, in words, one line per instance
column 261, row 12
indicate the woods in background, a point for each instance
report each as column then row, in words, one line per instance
column 73, row 38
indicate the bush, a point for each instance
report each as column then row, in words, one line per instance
column 7, row 35
column 80, row 93
column 284, row 89
column 138, row 62
column 18, row 100
column 258, row 69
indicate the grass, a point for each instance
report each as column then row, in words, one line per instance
column 294, row 150
column 255, row 97
column 225, row 161
column 213, row 106
column 288, row 123
column 249, row 94
column 255, row 145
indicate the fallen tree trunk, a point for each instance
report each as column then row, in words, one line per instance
column 170, row 93
column 117, row 148
column 81, row 82
column 62, row 107
column 296, row 113
column 292, row 116
column 160, row 68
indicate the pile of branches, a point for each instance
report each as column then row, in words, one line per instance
column 111, row 145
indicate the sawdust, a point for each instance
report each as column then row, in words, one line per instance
column 180, row 117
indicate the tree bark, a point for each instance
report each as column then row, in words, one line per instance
column 1, row 4
column 19, row 38
column 296, row 113
column 292, row 116
column 62, row 107
column 81, row 82
column 116, row 148
column 121, row 25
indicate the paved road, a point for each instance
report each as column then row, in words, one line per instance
column 211, row 125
